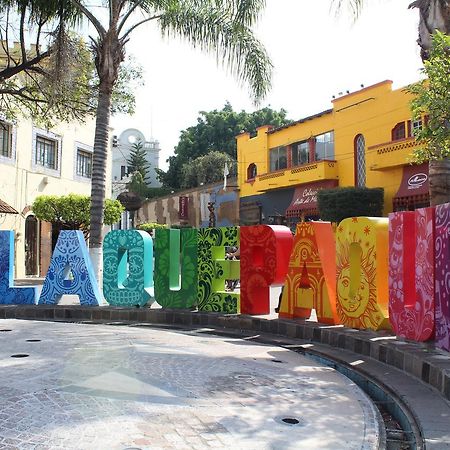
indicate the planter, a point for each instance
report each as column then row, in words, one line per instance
column 130, row 201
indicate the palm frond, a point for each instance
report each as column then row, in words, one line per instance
column 222, row 33
column 354, row 6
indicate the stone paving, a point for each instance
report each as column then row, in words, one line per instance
column 116, row 387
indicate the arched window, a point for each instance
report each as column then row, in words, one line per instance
column 399, row 131
column 251, row 171
column 360, row 161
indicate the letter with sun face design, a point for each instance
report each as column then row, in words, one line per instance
column 411, row 273
column 265, row 251
column 362, row 272
column 311, row 278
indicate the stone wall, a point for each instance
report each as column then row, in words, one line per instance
column 165, row 210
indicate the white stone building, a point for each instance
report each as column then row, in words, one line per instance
column 121, row 148
column 33, row 162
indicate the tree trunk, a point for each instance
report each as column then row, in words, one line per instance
column 109, row 53
column 434, row 15
column 98, row 186
column 100, row 157
column 439, row 176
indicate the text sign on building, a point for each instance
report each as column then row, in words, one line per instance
column 183, row 213
column 309, row 196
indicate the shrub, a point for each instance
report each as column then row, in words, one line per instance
column 338, row 204
column 148, row 226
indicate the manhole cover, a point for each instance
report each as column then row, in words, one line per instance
column 33, row 340
column 19, row 355
column 290, row 420
column 5, row 329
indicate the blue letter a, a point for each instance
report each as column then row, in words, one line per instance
column 70, row 272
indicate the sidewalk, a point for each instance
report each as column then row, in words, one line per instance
column 101, row 387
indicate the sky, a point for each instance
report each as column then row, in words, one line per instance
column 315, row 55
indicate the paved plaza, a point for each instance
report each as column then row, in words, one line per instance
column 121, row 387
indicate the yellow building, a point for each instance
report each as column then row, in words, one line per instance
column 33, row 162
column 365, row 139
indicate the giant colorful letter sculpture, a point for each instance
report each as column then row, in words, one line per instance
column 362, row 272
column 9, row 294
column 411, row 273
column 168, row 291
column 442, row 275
column 70, row 272
column 311, row 278
column 213, row 269
column 265, row 254
column 127, row 268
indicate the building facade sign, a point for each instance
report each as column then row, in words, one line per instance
column 183, row 211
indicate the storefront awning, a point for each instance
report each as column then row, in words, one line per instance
column 304, row 201
column 414, row 188
column 6, row 209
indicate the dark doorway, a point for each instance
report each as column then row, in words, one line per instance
column 31, row 245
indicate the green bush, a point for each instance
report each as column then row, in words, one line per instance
column 72, row 211
column 338, row 204
column 148, row 226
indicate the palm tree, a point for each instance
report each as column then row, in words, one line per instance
column 434, row 15
column 222, row 27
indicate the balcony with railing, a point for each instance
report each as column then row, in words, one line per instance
column 306, row 173
column 391, row 154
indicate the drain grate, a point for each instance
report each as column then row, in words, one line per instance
column 290, row 420
column 278, row 361
column 20, row 355
column 33, row 340
column 5, row 329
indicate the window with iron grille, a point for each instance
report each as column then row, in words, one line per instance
column 5, row 140
column 84, row 163
column 47, row 152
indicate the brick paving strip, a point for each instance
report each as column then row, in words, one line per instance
column 417, row 372
column 86, row 386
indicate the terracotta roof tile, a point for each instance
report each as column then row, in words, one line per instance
column 6, row 209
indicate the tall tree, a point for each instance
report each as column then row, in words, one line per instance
column 47, row 71
column 216, row 131
column 206, row 169
column 222, row 27
column 137, row 161
column 43, row 66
